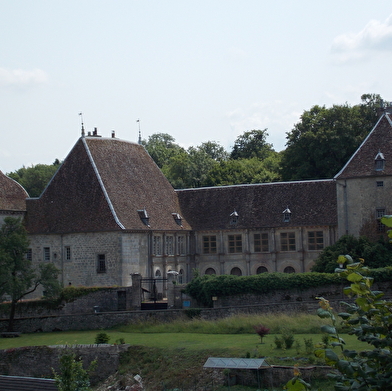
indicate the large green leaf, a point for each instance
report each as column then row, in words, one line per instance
column 326, row 328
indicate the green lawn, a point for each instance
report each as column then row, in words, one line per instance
column 237, row 344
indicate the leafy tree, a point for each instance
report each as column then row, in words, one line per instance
column 35, row 178
column 240, row 171
column 251, row 144
column 325, row 138
column 18, row 277
column 214, row 150
column 377, row 254
column 190, row 168
column 72, row 376
column 162, row 147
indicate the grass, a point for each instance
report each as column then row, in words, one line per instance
column 177, row 350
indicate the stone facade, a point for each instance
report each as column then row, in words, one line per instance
column 109, row 212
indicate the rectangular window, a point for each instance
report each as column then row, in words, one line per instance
column 29, row 254
column 181, row 245
column 315, row 240
column 235, row 243
column 157, row 246
column 380, row 183
column 380, row 212
column 287, row 241
column 209, row 244
column 169, row 245
column 101, row 263
column 261, row 243
column 46, row 254
column 67, row 253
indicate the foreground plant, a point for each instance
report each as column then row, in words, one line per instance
column 369, row 317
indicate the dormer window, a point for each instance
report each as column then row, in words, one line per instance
column 144, row 217
column 234, row 218
column 379, row 162
column 177, row 218
column 286, row 215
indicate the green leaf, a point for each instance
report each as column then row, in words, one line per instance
column 331, row 358
column 344, row 315
column 387, row 220
column 323, row 313
column 355, row 277
column 328, row 329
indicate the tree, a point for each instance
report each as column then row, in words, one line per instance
column 241, row 171
column 18, row 276
column 35, row 178
column 251, row 144
column 73, row 377
column 162, row 147
column 378, row 254
column 325, row 138
column 214, row 150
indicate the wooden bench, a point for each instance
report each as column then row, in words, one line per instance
column 10, row 334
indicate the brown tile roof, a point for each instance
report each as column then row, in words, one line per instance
column 362, row 163
column 100, row 186
column 12, row 195
column 261, row 205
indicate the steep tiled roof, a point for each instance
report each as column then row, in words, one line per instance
column 12, row 194
column 260, row 205
column 362, row 163
column 100, row 186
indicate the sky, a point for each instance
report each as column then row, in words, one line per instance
column 205, row 70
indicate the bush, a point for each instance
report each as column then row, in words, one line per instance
column 102, row 338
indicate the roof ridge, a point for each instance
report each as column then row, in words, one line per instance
column 95, row 168
column 362, row 144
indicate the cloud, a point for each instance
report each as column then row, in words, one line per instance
column 375, row 37
column 22, row 78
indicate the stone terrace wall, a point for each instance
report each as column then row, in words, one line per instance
column 38, row 361
column 107, row 299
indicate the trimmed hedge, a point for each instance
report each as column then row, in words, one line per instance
column 203, row 288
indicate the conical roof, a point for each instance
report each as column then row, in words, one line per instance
column 12, row 195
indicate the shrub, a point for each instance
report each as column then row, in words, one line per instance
column 288, row 338
column 279, row 342
column 102, row 338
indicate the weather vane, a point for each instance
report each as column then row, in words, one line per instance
column 81, row 118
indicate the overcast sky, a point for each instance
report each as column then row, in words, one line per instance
column 198, row 70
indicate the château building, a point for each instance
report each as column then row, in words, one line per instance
column 109, row 212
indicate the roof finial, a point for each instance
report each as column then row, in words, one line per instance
column 140, row 135
column 81, row 118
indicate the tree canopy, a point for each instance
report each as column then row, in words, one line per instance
column 325, row 138
column 377, row 254
column 251, row 144
column 35, row 178
column 18, row 276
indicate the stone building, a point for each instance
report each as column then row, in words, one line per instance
column 109, row 212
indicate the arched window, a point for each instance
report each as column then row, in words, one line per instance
column 236, row 271
column 289, row 269
column 261, row 269
column 181, row 276
column 157, row 273
column 210, row 271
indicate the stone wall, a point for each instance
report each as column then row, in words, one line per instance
column 103, row 300
column 38, row 361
